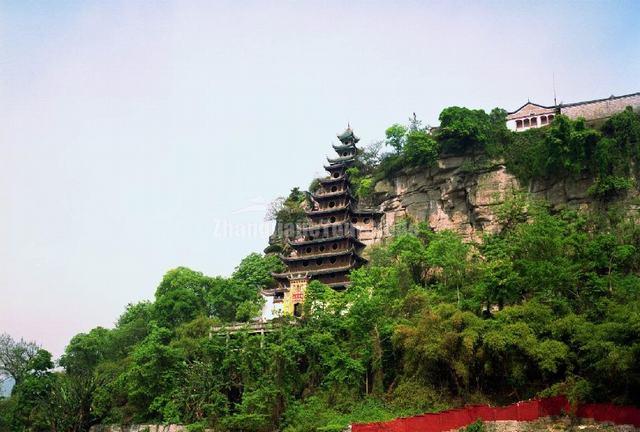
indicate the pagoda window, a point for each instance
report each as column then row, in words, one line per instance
column 332, row 260
column 354, row 220
column 366, row 220
column 543, row 120
column 321, row 248
column 332, row 204
column 336, row 174
column 308, row 250
column 344, row 153
column 333, row 219
column 334, row 246
column 518, row 124
column 534, row 122
column 319, row 261
column 334, row 188
column 526, row 122
column 305, row 263
column 297, row 309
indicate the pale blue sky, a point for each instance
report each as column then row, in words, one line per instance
column 128, row 130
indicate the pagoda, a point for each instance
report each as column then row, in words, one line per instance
column 328, row 246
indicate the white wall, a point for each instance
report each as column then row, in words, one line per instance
column 270, row 310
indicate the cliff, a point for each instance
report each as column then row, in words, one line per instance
column 456, row 196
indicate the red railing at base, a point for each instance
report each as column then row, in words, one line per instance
column 522, row 411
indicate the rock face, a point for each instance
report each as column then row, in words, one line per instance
column 461, row 196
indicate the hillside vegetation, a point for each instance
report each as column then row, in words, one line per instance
column 550, row 304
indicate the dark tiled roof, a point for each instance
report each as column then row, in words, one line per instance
column 348, row 136
column 531, row 103
column 341, row 147
column 331, row 179
column 349, row 251
column 337, row 166
column 564, row 105
column 612, row 97
column 342, row 159
column 324, row 240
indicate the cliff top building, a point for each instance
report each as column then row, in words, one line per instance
column 328, row 246
column 532, row 115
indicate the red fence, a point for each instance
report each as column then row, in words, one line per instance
column 521, row 411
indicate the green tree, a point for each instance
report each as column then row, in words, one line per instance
column 180, row 297
column 396, row 137
column 15, row 357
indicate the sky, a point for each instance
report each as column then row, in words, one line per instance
column 136, row 137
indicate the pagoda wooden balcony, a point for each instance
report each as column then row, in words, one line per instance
column 328, row 210
column 313, row 255
column 345, row 223
column 350, row 238
column 332, row 194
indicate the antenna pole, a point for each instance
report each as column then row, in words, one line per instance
column 555, row 102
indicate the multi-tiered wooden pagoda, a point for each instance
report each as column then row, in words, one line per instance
column 328, row 247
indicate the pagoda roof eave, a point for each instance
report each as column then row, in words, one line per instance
column 349, row 251
column 342, row 269
column 328, row 180
column 341, row 159
column 337, row 166
column 324, row 240
column 325, row 226
column 346, row 191
column 342, row 147
column 348, row 136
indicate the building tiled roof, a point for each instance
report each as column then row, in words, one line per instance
column 610, row 98
column 572, row 104
column 531, row 103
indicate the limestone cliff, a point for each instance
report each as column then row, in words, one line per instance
column 456, row 196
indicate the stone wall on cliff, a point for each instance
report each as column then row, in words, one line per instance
column 460, row 196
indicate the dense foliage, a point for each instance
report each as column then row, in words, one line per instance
column 550, row 304
column 608, row 156
column 462, row 131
